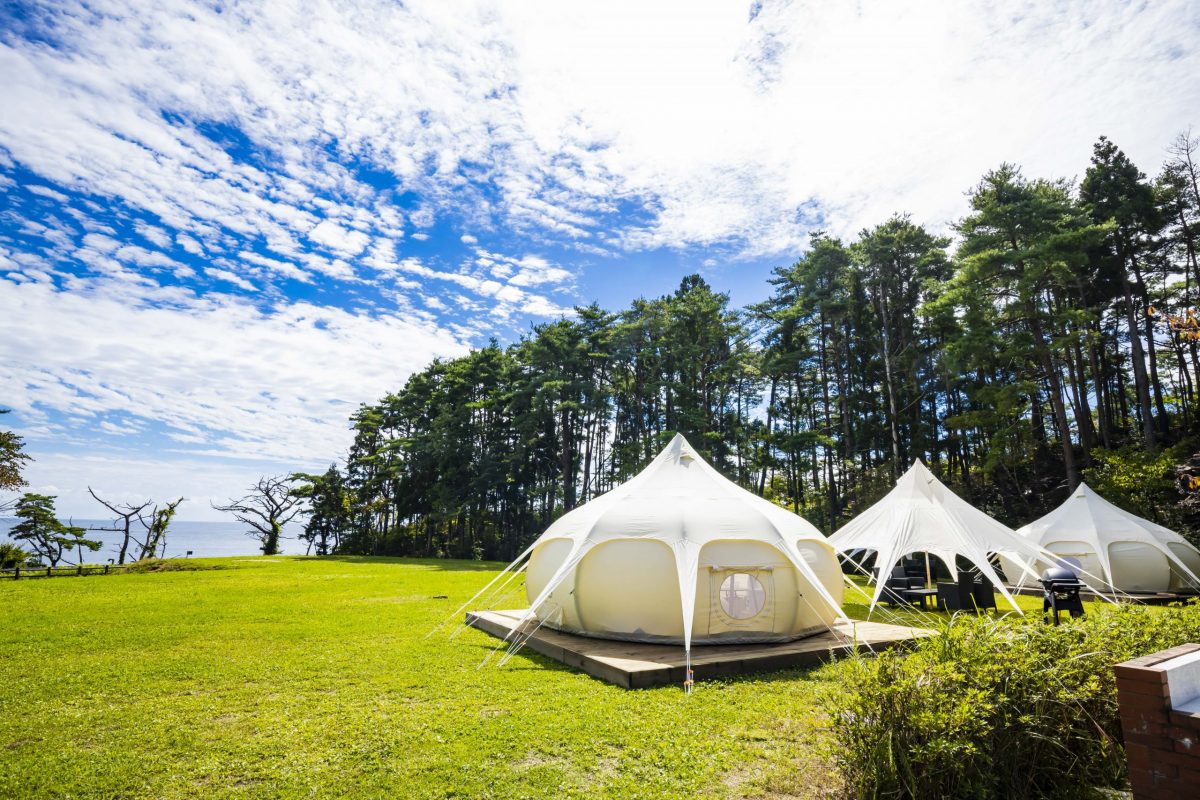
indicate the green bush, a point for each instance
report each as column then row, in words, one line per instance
column 998, row 707
column 12, row 555
column 169, row 565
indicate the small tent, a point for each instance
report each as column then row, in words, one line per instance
column 680, row 554
column 1113, row 549
column 921, row 515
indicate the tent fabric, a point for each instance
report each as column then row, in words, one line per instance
column 1125, row 552
column 644, row 561
column 921, row 515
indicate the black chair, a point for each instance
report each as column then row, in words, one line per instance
column 983, row 593
column 895, row 586
column 1060, row 592
column 972, row 592
column 955, row 596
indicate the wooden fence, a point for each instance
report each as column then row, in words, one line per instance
column 16, row 573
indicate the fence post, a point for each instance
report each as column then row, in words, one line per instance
column 48, row 571
column 17, row 573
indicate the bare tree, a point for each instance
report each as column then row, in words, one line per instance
column 125, row 514
column 266, row 509
column 154, row 526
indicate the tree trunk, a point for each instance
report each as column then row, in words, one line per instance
column 271, row 544
column 1102, row 399
column 1079, row 394
column 765, row 455
column 1056, row 399
column 1138, row 357
column 124, row 543
column 1160, row 408
column 881, row 308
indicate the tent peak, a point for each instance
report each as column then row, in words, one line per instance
column 680, row 449
column 919, row 470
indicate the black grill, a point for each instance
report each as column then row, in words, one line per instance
column 1060, row 592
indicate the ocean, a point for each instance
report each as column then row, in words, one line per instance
column 203, row 539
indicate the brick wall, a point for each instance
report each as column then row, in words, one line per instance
column 1163, row 746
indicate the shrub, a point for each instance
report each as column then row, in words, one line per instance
column 169, row 565
column 11, row 555
column 998, row 707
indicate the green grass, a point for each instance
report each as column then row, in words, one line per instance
column 264, row 677
column 312, row 677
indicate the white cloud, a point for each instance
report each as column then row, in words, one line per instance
column 243, row 382
column 154, row 234
column 338, row 239
column 46, row 191
column 535, row 271
column 717, row 126
column 125, row 474
column 230, row 277
column 529, row 271
column 284, row 268
column 118, row 429
column 189, row 244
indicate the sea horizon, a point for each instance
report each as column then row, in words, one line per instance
column 185, row 538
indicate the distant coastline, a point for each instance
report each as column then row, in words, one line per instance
column 204, row 539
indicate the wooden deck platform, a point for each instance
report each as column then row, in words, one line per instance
column 637, row 666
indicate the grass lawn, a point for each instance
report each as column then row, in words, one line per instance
column 313, row 677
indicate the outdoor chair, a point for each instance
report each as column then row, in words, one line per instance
column 897, row 584
column 983, row 593
column 955, row 596
column 972, row 592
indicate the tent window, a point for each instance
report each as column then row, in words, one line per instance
column 742, row 596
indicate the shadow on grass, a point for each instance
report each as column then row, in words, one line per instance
column 534, row 659
column 442, row 564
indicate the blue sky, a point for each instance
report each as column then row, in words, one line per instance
column 224, row 227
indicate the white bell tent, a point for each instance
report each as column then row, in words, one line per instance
column 1113, row 549
column 680, row 554
column 921, row 515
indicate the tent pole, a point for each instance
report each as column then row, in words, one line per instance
column 928, row 572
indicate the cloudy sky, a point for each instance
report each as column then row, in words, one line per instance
column 224, row 226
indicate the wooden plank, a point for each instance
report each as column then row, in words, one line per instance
column 639, row 665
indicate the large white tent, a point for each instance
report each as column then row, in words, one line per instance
column 680, row 554
column 1112, row 549
column 921, row 515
